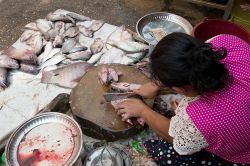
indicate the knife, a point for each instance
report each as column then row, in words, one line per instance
column 118, row 96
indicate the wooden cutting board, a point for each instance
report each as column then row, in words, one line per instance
column 97, row 117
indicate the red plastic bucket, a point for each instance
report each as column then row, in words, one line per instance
column 209, row 28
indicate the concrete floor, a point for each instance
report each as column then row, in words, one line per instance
column 15, row 14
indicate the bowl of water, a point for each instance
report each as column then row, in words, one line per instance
column 154, row 26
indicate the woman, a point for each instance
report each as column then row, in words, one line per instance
column 215, row 113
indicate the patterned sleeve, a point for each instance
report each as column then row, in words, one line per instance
column 187, row 139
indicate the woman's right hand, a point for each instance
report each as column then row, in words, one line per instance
column 148, row 90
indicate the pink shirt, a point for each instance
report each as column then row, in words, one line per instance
column 223, row 117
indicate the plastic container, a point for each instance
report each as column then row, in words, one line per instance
column 209, row 28
column 239, row 15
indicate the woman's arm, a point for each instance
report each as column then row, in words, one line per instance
column 148, row 90
column 136, row 108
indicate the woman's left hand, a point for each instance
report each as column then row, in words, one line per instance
column 131, row 108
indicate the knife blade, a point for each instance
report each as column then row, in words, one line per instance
column 108, row 96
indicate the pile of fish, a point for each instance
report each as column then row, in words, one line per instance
column 49, row 47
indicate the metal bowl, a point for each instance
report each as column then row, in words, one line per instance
column 11, row 148
column 103, row 156
column 167, row 21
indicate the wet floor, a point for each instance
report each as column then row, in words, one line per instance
column 15, row 14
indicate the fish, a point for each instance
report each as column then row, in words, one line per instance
column 77, row 49
column 59, row 17
column 28, row 68
column 82, row 55
column 7, row 62
column 3, row 78
column 48, row 68
column 71, row 32
column 116, row 35
column 78, row 16
column 48, row 47
column 31, row 26
column 69, row 61
column 114, row 55
column 57, row 58
column 68, row 25
column 115, row 104
column 127, row 61
column 85, row 31
column 67, row 76
column 113, row 75
column 127, row 36
column 95, row 58
column 27, row 34
column 136, row 36
column 68, row 45
column 107, row 75
column 44, row 25
column 96, row 25
column 136, row 56
column 36, row 43
column 129, row 46
column 124, row 86
column 21, row 54
column 58, row 41
column 52, row 53
column 103, row 75
column 51, row 34
column 97, row 46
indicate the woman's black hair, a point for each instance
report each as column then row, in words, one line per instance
column 180, row 59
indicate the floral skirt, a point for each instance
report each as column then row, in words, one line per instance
column 163, row 154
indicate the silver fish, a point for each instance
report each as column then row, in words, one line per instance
column 31, row 26
column 116, row 35
column 136, row 56
column 67, row 76
column 114, row 55
column 96, row 25
column 57, row 58
column 127, row 61
column 36, row 43
column 127, row 36
column 21, row 54
column 39, row 75
column 77, row 49
column 96, row 46
column 136, row 36
column 52, row 53
column 125, row 86
column 71, row 32
column 82, row 55
column 44, row 25
column 59, row 17
column 78, row 16
column 58, row 41
column 28, row 68
column 48, row 47
column 3, row 78
column 68, row 45
column 7, row 62
column 61, row 26
column 85, row 31
column 129, row 46
column 68, row 25
column 51, row 34
column 95, row 58
column 27, row 34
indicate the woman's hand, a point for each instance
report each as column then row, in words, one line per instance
column 131, row 108
column 148, row 90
